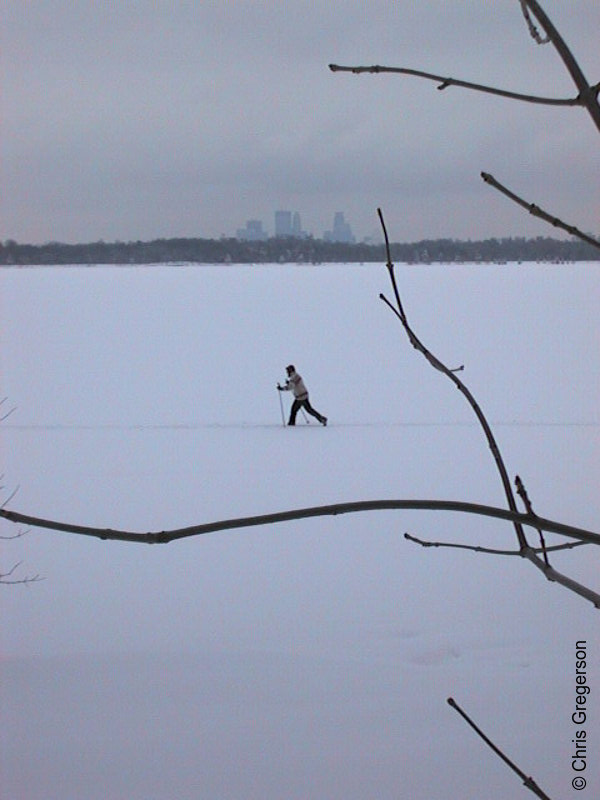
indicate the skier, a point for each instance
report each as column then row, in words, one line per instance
column 296, row 385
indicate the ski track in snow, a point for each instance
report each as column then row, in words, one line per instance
column 197, row 426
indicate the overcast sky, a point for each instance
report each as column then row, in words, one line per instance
column 136, row 120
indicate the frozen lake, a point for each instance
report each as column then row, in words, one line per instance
column 310, row 659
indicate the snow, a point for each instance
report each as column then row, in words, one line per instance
column 311, row 658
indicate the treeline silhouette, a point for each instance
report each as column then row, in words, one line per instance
column 285, row 250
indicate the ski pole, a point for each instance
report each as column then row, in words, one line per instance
column 281, row 407
column 306, row 419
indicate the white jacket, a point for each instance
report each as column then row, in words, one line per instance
column 296, row 385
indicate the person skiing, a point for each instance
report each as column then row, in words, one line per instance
column 296, row 385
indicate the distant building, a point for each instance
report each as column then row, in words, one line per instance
column 296, row 225
column 283, row 223
column 289, row 224
column 253, row 232
column 342, row 232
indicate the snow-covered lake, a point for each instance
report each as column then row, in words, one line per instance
column 310, row 659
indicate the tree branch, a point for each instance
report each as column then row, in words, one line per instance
column 538, row 212
column 563, row 580
column 588, row 95
column 490, row 551
column 451, row 374
column 444, row 82
column 164, row 537
column 524, row 549
column 528, row 782
column 531, row 554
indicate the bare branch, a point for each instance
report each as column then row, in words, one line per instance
column 5, row 577
column 530, row 554
column 14, row 536
column 538, row 212
column 524, row 549
column 488, row 550
column 522, row 492
column 563, row 580
column 164, row 537
column 390, row 268
column 10, row 571
column 451, row 374
column 23, row 581
column 444, row 82
column 8, row 413
column 473, row 548
column 535, row 34
column 10, row 497
column 527, row 781
column 588, row 95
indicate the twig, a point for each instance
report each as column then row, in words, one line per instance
column 531, row 554
column 527, row 781
column 538, row 212
column 522, row 492
column 533, row 31
column 444, row 82
column 10, row 497
column 488, row 550
column 23, row 581
column 8, row 413
column 14, row 536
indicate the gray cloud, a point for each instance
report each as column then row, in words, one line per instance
column 135, row 121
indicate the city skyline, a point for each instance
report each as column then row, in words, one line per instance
column 289, row 224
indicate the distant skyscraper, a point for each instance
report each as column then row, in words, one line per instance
column 253, row 232
column 289, row 224
column 283, row 223
column 296, row 225
column 342, row 232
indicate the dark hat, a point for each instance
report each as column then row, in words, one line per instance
column 290, row 368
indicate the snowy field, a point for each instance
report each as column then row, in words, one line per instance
column 311, row 659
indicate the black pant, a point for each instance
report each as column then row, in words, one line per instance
column 297, row 405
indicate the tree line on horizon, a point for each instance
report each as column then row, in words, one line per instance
column 290, row 249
